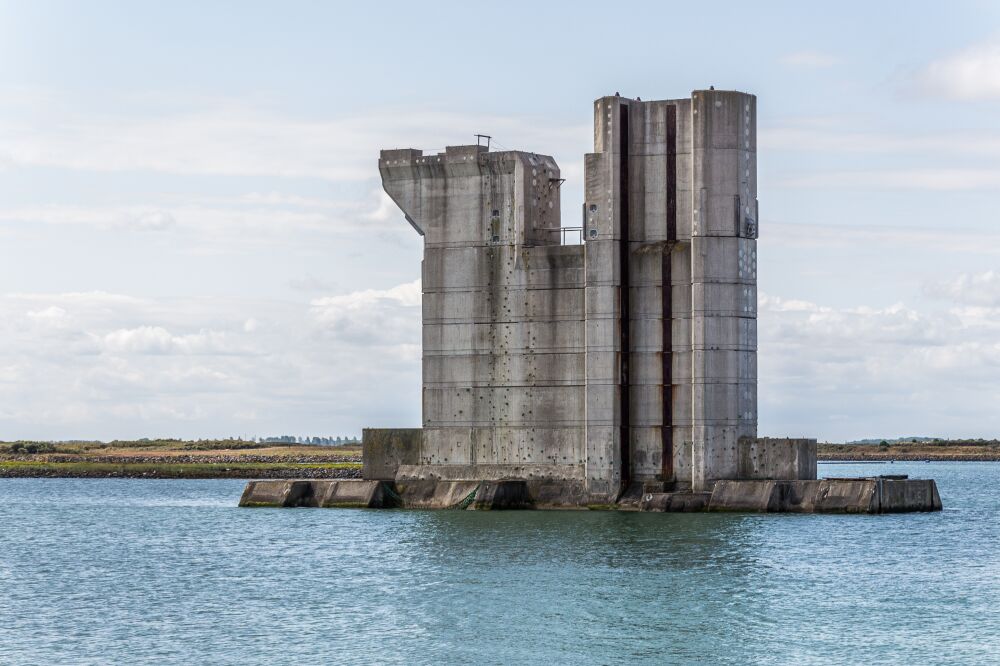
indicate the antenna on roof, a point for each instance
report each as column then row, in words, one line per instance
column 479, row 140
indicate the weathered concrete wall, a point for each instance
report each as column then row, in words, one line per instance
column 503, row 312
column 905, row 495
column 777, row 458
column 670, row 223
column 723, row 281
column 383, row 450
column 630, row 358
column 465, row 495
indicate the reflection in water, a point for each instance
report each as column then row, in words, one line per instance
column 106, row 570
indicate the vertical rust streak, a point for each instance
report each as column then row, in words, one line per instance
column 671, row 173
column 624, row 325
column 667, row 354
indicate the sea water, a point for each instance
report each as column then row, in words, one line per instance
column 118, row 571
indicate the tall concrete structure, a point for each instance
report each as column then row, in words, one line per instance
column 616, row 372
column 629, row 358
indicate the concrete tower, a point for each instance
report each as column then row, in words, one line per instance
column 671, row 210
column 628, row 359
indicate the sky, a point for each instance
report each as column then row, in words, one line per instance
column 194, row 241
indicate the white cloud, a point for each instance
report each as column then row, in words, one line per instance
column 150, row 221
column 891, row 368
column 386, row 208
column 76, row 300
column 809, row 59
column 157, row 340
column 202, row 218
column 962, row 160
column 851, row 236
column 945, row 180
column 840, row 135
column 234, row 139
column 376, row 317
column 976, row 289
column 120, row 366
column 96, row 364
column 970, row 74
column 310, row 282
column 285, row 200
column 51, row 314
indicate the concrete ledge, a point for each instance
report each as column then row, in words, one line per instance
column 344, row 493
column 475, row 495
column 902, row 495
column 276, row 493
column 863, row 495
column 548, row 486
column 674, row 502
column 354, row 494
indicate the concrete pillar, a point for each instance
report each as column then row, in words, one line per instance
column 723, row 282
column 503, row 314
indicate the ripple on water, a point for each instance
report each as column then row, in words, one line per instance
column 120, row 570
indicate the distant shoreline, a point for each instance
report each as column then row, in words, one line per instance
column 153, row 471
column 235, row 459
column 876, row 458
column 171, row 459
column 908, row 452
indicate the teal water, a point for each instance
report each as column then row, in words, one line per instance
column 96, row 571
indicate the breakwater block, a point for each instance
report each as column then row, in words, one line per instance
column 355, row 494
column 474, row 495
column 343, row 493
column 277, row 492
column 674, row 502
column 861, row 495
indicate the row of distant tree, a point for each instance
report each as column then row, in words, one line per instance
column 317, row 441
column 929, row 441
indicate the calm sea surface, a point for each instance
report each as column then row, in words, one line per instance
column 96, row 571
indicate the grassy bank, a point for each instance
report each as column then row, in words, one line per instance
column 167, row 470
column 944, row 450
column 176, row 459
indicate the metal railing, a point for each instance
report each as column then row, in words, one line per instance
column 575, row 235
column 568, row 235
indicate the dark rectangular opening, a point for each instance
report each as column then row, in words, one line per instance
column 667, row 353
column 625, row 323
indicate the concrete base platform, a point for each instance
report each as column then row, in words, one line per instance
column 864, row 495
column 362, row 494
column 545, row 488
column 350, row 493
column 675, row 502
column 861, row 495
column 474, row 495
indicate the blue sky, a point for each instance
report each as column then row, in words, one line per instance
column 193, row 241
